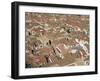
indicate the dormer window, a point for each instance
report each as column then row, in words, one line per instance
column 32, row 51
column 29, row 33
column 50, row 42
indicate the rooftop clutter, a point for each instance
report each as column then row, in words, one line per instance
column 53, row 40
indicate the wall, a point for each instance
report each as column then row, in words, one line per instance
column 5, row 40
